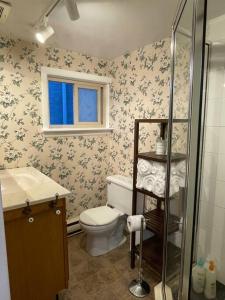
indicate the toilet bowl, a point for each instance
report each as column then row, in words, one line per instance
column 104, row 227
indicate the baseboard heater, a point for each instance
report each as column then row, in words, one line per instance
column 73, row 226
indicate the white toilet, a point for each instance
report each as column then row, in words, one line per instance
column 105, row 225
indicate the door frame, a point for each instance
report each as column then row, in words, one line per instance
column 4, row 276
column 194, row 139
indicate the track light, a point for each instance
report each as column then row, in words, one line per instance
column 44, row 32
column 72, row 10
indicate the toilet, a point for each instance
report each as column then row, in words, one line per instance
column 104, row 225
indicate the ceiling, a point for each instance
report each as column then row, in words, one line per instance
column 106, row 28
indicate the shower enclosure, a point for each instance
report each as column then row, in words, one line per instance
column 198, row 99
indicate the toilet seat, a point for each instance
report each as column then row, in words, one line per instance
column 99, row 216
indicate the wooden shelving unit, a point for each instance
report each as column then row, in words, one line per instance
column 153, row 247
column 153, row 255
column 161, row 158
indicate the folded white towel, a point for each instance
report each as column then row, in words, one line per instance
column 159, row 187
column 174, row 170
column 174, row 184
column 182, row 181
column 144, row 167
column 158, row 168
column 148, row 182
column 139, row 183
column 181, row 168
column 152, row 177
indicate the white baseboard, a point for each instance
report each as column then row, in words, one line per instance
column 73, row 226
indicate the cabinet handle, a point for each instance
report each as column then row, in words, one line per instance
column 27, row 209
column 31, row 220
column 58, row 212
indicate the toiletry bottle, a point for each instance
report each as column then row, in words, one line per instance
column 198, row 276
column 160, row 146
column 210, row 282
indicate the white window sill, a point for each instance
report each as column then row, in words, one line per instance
column 75, row 131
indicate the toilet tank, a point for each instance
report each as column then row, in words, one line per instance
column 120, row 192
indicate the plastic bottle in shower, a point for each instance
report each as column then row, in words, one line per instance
column 198, row 277
column 210, row 282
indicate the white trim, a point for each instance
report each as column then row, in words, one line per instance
column 67, row 74
column 75, row 75
column 75, row 131
column 4, row 276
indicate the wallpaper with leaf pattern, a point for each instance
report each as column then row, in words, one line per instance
column 140, row 89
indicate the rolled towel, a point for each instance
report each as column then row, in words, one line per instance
column 159, row 187
column 174, row 184
column 148, row 182
column 182, row 181
column 174, row 169
column 158, row 168
column 181, row 168
column 139, row 183
column 134, row 223
column 160, row 175
column 144, row 167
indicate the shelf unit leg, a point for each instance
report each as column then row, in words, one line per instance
column 134, row 198
column 132, row 260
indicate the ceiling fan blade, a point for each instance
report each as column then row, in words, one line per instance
column 72, row 9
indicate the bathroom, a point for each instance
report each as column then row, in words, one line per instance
column 120, row 53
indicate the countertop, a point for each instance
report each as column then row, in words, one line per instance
column 27, row 184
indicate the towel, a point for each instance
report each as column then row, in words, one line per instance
column 139, row 183
column 158, row 168
column 159, row 187
column 144, row 167
column 181, row 168
column 148, row 182
column 152, row 177
column 174, row 184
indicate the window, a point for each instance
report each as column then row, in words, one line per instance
column 60, row 96
column 74, row 101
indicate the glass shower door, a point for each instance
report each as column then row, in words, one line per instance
column 183, row 145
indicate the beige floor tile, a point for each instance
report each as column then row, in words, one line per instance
column 105, row 277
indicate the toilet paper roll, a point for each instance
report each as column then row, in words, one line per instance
column 134, row 223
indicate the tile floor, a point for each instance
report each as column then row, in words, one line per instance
column 105, row 277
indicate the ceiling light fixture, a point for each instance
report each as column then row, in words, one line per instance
column 72, row 10
column 44, row 31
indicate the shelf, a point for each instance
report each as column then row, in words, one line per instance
column 155, row 222
column 145, row 192
column 176, row 157
column 160, row 121
column 153, row 254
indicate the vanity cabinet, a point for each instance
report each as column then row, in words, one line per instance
column 37, row 250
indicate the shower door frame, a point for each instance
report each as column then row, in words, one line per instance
column 194, row 141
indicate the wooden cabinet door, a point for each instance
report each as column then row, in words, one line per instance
column 37, row 252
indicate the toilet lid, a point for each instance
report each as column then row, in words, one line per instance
column 101, row 215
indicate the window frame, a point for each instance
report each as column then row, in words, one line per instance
column 84, row 80
column 100, row 105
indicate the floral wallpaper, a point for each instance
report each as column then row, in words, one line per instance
column 79, row 163
column 140, row 89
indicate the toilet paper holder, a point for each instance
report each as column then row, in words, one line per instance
column 139, row 287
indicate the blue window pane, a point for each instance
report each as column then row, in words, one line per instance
column 88, row 105
column 60, row 102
